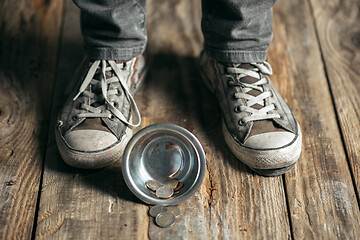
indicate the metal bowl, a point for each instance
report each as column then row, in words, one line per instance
column 161, row 152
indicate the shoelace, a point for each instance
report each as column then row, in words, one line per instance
column 236, row 73
column 108, row 110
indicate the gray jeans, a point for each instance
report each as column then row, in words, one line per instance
column 234, row 30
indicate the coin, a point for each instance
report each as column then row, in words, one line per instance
column 155, row 210
column 179, row 186
column 165, row 219
column 174, row 211
column 164, row 192
column 171, row 183
column 152, row 185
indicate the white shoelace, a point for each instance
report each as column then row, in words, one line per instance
column 236, row 73
column 108, row 110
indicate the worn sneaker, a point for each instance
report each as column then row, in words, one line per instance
column 258, row 125
column 99, row 114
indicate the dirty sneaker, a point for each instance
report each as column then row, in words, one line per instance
column 99, row 114
column 258, row 125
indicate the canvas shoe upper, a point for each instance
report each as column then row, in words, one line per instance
column 258, row 125
column 99, row 114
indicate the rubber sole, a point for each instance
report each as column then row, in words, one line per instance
column 273, row 172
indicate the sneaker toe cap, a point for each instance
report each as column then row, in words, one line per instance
column 269, row 140
column 89, row 140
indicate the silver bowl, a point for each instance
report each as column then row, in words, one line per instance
column 161, row 152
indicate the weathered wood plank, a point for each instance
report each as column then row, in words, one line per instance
column 230, row 204
column 80, row 204
column 338, row 28
column 320, row 193
column 97, row 204
column 29, row 33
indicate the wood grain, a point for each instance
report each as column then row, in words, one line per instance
column 29, row 36
column 338, row 27
column 75, row 203
column 232, row 202
column 321, row 197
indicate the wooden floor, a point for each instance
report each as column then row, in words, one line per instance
column 315, row 55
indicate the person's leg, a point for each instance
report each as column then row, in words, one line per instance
column 99, row 114
column 113, row 29
column 258, row 125
column 237, row 30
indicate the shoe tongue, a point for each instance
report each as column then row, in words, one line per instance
column 249, row 80
column 262, row 126
column 99, row 76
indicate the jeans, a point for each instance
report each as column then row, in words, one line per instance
column 234, row 30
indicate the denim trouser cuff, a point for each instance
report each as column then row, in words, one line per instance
column 236, row 56
column 114, row 53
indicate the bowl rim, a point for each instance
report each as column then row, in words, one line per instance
column 201, row 158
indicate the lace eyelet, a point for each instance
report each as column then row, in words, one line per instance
column 241, row 122
column 116, row 104
column 234, row 97
column 237, row 109
column 112, row 117
column 119, row 93
column 124, row 66
column 74, row 118
column 275, row 107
